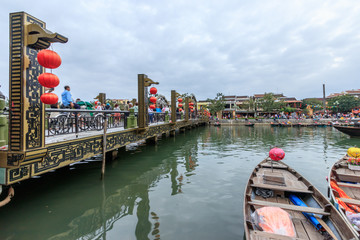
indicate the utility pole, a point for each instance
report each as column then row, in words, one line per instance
column 324, row 102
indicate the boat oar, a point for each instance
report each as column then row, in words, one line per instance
column 297, row 201
column 326, row 227
column 315, row 220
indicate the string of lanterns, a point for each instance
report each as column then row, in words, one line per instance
column 49, row 59
column 180, row 104
column 153, row 99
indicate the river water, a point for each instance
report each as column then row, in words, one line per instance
column 185, row 187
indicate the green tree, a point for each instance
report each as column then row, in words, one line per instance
column 318, row 104
column 217, row 104
column 268, row 103
column 344, row 103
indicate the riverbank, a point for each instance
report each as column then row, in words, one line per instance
column 292, row 121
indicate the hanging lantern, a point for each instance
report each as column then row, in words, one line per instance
column 48, row 59
column 49, row 98
column 180, row 105
column 191, row 107
column 152, row 106
column 191, row 110
column 153, row 99
column 277, row 154
column 153, row 90
column 48, row 80
column 180, row 100
column 191, row 104
column 180, row 109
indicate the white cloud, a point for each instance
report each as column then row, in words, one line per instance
column 203, row 47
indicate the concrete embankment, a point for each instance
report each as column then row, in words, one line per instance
column 292, row 121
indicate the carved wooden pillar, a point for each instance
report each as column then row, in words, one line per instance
column 143, row 83
column 173, row 106
column 27, row 113
column 186, row 109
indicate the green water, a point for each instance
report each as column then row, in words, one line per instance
column 187, row 187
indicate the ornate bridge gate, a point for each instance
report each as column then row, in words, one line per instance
column 27, row 153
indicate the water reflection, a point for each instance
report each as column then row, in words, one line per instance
column 187, row 187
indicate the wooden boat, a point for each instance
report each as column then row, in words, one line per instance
column 351, row 131
column 283, row 183
column 348, row 181
column 217, row 124
column 274, row 124
column 249, row 124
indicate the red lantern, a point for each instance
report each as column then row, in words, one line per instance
column 49, row 98
column 191, row 104
column 153, row 90
column 277, row 154
column 192, row 110
column 153, row 99
column 191, row 107
column 180, row 100
column 152, row 106
column 180, row 109
column 48, row 59
column 180, row 105
column 48, row 80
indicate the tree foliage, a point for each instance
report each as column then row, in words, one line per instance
column 312, row 102
column 269, row 104
column 217, row 104
column 344, row 103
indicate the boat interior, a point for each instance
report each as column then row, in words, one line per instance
column 283, row 182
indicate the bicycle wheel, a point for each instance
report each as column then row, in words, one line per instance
column 84, row 123
column 99, row 122
column 63, row 124
column 53, row 127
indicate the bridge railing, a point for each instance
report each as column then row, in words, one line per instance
column 67, row 121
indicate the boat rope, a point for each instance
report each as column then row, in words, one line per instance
column 11, row 193
column 265, row 193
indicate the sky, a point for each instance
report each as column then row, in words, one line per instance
column 202, row 47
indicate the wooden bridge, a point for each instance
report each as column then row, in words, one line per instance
column 34, row 147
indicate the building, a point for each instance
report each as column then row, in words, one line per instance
column 355, row 93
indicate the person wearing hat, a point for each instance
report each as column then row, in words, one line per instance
column 107, row 106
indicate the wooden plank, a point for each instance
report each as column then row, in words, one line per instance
column 351, row 201
column 311, row 230
column 289, row 207
column 351, row 185
column 281, row 188
column 299, row 228
column 256, row 234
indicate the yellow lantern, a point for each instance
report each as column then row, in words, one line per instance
column 354, row 152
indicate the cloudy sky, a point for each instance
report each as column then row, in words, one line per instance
column 198, row 46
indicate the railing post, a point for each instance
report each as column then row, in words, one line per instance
column 76, row 123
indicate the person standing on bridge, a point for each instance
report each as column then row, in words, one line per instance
column 67, row 101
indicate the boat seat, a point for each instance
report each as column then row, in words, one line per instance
column 290, row 207
column 260, row 235
column 347, row 175
column 350, row 185
column 351, row 201
column 281, row 188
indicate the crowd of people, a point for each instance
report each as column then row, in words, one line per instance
column 67, row 102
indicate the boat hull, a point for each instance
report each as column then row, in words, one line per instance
column 351, row 131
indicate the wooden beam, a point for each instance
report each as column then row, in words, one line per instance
column 289, row 207
column 351, row 185
column 281, row 188
column 351, row 201
column 265, row 235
